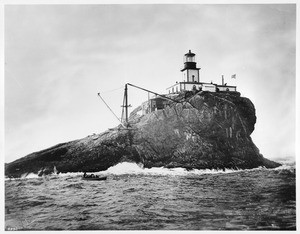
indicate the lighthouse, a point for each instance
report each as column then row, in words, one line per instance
column 190, row 70
column 191, row 79
column 190, row 73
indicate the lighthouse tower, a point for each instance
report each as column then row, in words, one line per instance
column 191, row 77
column 190, row 70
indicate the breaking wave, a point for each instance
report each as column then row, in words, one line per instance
column 135, row 169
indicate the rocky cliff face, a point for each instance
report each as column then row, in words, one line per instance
column 203, row 130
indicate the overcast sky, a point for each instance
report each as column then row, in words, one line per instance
column 58, row 57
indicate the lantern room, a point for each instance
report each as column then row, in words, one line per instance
column 190, row 70
column 189, row 59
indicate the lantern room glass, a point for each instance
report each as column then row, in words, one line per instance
column 190, row 58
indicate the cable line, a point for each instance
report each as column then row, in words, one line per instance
column 110, row 109
column 108, row 91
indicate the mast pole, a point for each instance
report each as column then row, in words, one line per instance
column 126, row 105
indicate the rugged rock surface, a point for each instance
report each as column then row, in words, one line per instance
column 203, row 130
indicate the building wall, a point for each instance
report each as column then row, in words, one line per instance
column 209, row 87
column 226, row 88
column 191, row 86
column 173, row 88
column 192, row 73
column 185, row 86
column 184, row 75
column 145, row 108
column 188, row 75
column 154, row 104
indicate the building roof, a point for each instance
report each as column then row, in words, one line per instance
column 190, row 53
column 190, row 68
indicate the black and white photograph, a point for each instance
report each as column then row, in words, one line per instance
column 128, row 116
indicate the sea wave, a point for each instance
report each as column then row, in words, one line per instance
column 287, row 161
column 135, row 169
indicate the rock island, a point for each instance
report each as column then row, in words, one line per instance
column 196, row 125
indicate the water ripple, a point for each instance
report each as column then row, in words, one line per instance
column 259, row 199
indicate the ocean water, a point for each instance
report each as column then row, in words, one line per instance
column 133, row 198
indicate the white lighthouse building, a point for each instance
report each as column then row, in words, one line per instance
column 191, row 79
column 190, row 71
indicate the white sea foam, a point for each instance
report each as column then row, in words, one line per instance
column 286, row 167
column 29, row 176
column 133, row 168
column 125, row 168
